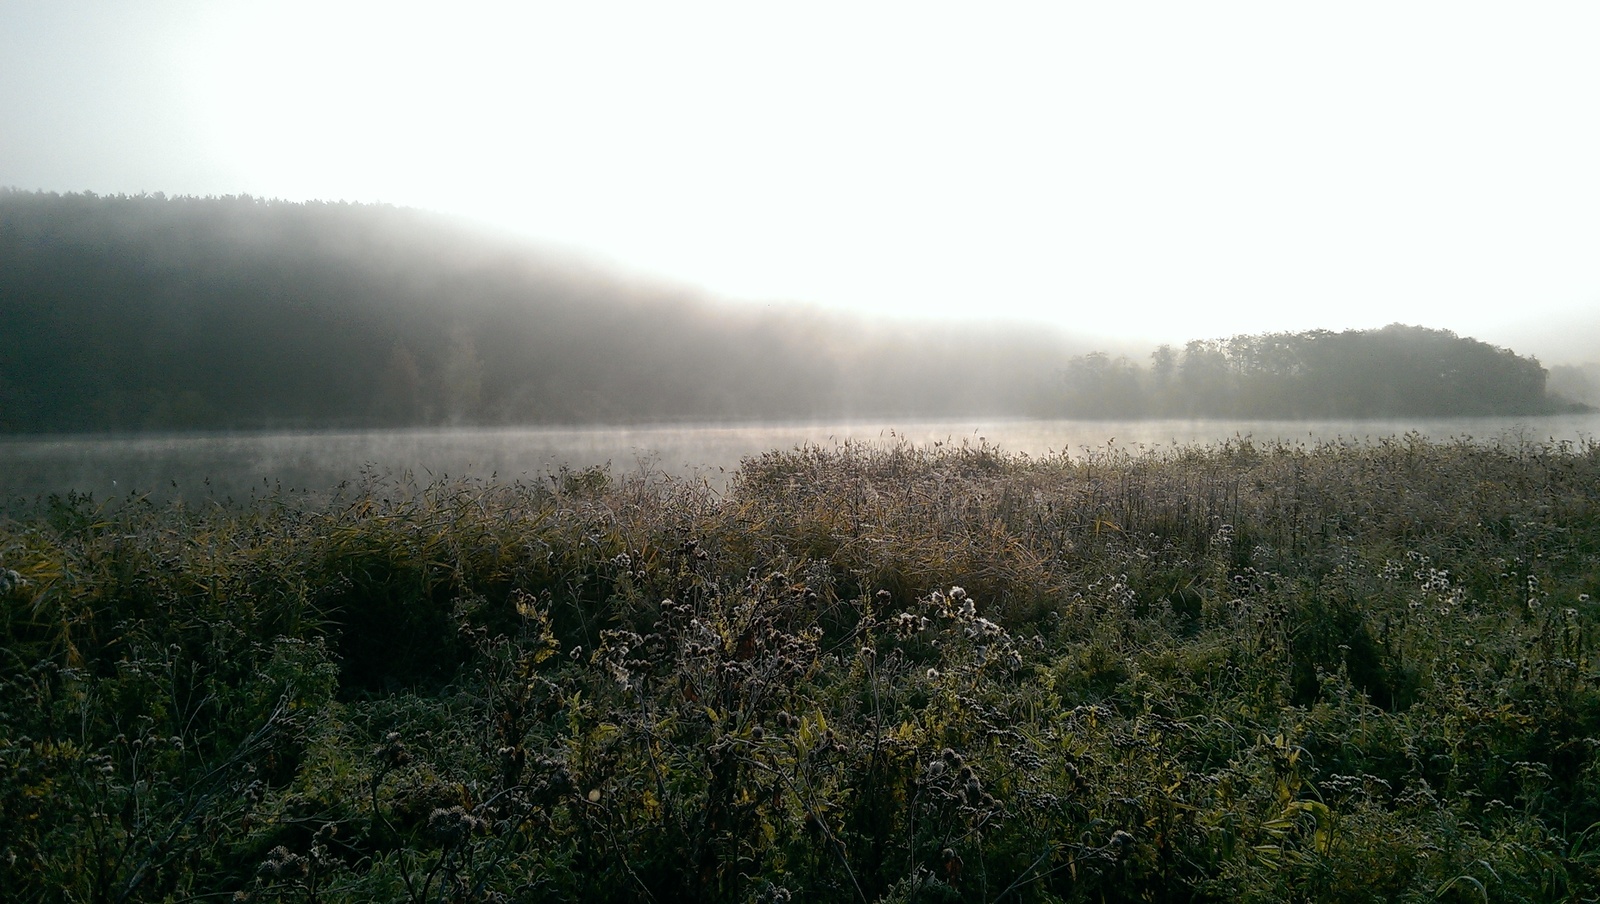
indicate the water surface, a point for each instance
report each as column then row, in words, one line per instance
column 238, row 465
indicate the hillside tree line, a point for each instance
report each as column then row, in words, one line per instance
column 149, row 312
column 126, row 313
column 1396, row 371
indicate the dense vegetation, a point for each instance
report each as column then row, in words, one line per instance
column 129, row 313
column 1397, row 371
column 1341, row 672
column 133, row 313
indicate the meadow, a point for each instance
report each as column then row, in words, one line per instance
column 1233, row 672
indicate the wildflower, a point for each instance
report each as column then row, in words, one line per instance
column 974, row 789
column 619, row 674
column 952, row 864
column 393, row 751
column 907, row 625
column 453, row 824
column 983, row 628
column 280, row 864
column 511, row 757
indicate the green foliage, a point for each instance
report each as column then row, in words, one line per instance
column 1263, row 673
column 1396, row 371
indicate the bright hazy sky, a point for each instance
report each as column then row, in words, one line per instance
column 1157, row 171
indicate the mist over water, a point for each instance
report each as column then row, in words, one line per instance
column 237, row 466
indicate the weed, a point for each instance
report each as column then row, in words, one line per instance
column 1340, row 672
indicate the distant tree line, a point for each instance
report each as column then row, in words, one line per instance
column 1396, row 371
column 149, row 312
column 124, row 313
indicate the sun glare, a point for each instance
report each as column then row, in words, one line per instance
column 1193, row 173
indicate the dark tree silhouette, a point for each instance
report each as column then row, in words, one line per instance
column 1396, row 371
column 148, row 312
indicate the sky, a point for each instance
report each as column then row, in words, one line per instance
column 1141, row 171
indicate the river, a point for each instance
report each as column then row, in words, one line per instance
column 204, row 466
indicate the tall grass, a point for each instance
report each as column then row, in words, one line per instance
column 1240, row 672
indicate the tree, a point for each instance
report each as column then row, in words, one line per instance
column 462, row 379
column 400, row 389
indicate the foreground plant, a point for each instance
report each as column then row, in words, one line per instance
column 1344, row 672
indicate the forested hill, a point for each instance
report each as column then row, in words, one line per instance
column 1396, row 371
column 126, row 313
column 133, row 313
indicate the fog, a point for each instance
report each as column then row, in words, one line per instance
column 131, row 313
column 313, row 464
column 154, row 313
column 1140, row 174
